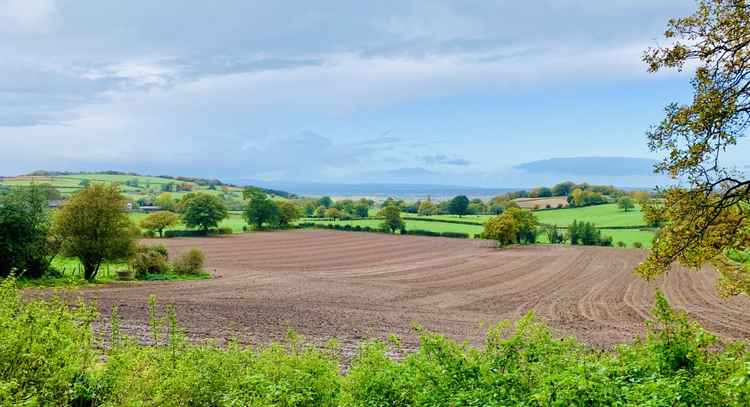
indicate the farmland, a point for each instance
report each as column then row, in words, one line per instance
column 626, row 227
column 132, row 186
column 359, row 285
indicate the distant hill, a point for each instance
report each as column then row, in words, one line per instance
column 380, row 189
column 132, row 183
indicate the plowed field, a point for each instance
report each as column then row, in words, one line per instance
column 353, row 286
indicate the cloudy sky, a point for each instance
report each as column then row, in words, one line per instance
column 460, row 92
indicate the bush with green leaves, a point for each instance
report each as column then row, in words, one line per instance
column 189, row 262
column 150, row 260
column 46, row 348
column 26, row 246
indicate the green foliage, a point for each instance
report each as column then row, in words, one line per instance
column 46, row 350
column 289, row 212
column 554, row 236
column 158, row 221
column 392, row 221
column 625, row 203
column 26, row 247
column 203, row 211
column 149, row 260
column 94, row 227
column 49, row 356
column 260, row 208
column 512, row 226
column 459, row 205
column 189, row 262
column 586, row 233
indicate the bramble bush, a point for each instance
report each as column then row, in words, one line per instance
column 190, row 262
column 49, row 355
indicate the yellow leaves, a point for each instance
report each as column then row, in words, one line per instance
column 700, row 230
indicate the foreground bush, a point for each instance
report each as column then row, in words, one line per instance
column 48, row 357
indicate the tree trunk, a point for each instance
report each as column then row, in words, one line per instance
column 91, row 269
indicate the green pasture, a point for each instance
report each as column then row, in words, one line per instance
column 410, row 225
column 601, row 215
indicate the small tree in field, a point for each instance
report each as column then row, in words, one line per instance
column 94, row 227
column 502, row 228
column 459, row 206
column 289, row 212
column 392, row 221
column 333, row 213
column 625, row 203
column 260, row 208
column 158, row 221
column 203, row 211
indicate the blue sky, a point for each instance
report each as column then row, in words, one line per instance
column 455, row 92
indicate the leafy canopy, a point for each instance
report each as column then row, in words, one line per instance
column 708, row 218
column 260, row 208
column 94, row 227
column 203, row 211
column 158, row 221
column 24, row 227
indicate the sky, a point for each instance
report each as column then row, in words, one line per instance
column 453, row 92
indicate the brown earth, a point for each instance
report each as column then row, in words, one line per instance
column 353, row 286
column 541, row 203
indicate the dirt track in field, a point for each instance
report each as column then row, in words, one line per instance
column 354, row 286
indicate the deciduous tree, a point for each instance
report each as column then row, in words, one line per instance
column 625, row 203
column 203, row 211
column 707, row 218
column 459, row 205
column 25, row 244
column 158, row 221
column 260, row 208
column 94, row 227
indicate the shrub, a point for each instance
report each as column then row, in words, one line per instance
column 149, row 260
column 45, row 350
column 621, row 244
column 422, row 232
column 638, row 245
column 224, row 230
column 184, row 233
column 457, row 235
column 189, row 262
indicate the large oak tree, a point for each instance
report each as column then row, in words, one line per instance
column 706, row 217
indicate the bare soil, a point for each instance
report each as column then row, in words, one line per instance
column 356, row 286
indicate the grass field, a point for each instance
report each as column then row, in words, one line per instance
column 627, row 236
column 601, row 215
column 147, row 185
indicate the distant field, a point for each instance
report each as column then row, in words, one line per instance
column 608, row 215
column 410, row 224
column 147, row 185
column 601, row 215
column 541, row 203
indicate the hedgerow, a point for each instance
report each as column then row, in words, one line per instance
column 50, row 355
